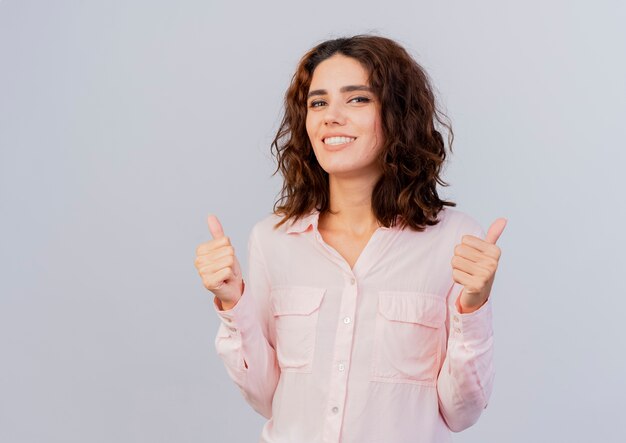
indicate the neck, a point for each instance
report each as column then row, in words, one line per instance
column 351, row 202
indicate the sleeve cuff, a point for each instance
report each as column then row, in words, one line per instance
column 473, row 326
column 230, row 316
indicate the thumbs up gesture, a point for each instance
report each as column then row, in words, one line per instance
column 474, row 266
column 218, row 266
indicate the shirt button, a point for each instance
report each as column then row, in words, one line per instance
column 456, row 319
column 352, row 281
column 457, row 330
column 335, row 410
column 346, row 320
column 341, row 367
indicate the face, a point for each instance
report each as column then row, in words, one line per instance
column 343, row 118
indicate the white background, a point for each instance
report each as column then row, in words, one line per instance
column 123, row 124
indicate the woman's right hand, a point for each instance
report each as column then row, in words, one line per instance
column 218, row 266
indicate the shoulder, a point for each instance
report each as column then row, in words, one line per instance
column 461, row 223
column 264, row 228
column 267, row 222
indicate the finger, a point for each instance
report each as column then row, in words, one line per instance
column 483, row 247
column 478, row 269
column 468, row 252
column 475, row 242
column 215, row 226
column 218, row 279
column 478, row 250
column 462, row 278
column 211, row 267
column 215, row 248
column 495, row 230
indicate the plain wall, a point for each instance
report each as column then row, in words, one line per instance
column 123, row 124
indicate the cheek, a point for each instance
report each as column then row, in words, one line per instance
column 373, row 124
column 310, row 127
column 376, row 133
column 380, row 138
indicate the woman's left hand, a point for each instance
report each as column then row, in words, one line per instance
column 474, row 266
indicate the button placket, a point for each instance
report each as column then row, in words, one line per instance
column 341, row 358
column 457, row 323
column 346, row 319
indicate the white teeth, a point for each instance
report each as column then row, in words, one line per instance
column 338, row 140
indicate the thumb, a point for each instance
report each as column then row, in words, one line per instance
column 495, row 230
column 215, row 227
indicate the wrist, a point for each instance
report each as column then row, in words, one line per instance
column 226, row 306
column 467, row 309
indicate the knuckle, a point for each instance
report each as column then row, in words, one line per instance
column 498, row 253
column 202, row 262
column 217, row 243
column 211, row 283
column 203, row 248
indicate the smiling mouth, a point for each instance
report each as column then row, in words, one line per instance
column 331, row 142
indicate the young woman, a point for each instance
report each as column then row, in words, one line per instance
column 366, row 314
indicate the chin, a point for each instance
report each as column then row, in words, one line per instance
column 341, row 170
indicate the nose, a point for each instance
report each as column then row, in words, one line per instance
column 334, row 113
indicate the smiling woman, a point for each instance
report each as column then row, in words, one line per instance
column 371, row 85
column 343, row 150
column 366, row 314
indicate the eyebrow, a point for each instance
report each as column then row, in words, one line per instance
column 348, row 88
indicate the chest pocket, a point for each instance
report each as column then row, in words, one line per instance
column 407, row 341
column 296, row 311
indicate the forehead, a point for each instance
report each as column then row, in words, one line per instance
column 338, row 70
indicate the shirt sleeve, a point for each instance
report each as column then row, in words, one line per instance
column 466, row 378
column 241, row 340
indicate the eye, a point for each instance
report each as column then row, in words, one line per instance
column 364, row 99
column 317, row 103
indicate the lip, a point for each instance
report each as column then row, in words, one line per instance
column 333, row 148
column 336, row 134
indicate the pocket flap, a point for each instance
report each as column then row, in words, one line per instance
column 298, row 300
column 412, row 307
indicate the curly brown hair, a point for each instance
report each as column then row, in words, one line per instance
column 413, row 152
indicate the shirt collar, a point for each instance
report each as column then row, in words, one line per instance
column 312, row 218
column 303, row 223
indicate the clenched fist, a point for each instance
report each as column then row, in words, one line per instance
column 218, row 266
column 474, row 266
